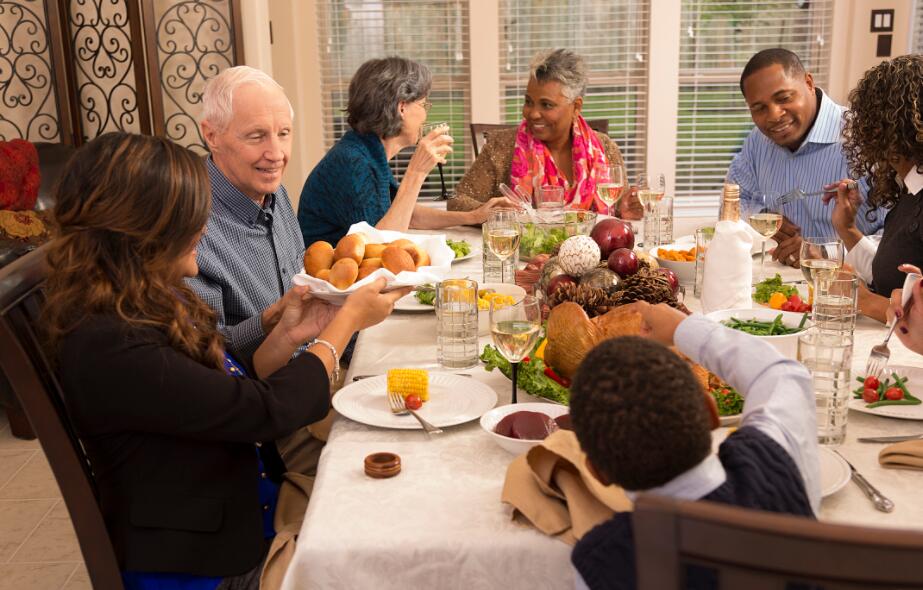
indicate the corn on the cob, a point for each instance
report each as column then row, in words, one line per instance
column 409, row 381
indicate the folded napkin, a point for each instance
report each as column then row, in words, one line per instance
column 903, row 455
column 551, row 487
column 728, row 278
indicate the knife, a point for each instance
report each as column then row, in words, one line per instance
column 358, row 377
column 871, row 492
column 890, row 439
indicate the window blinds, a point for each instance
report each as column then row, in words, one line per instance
column 611, row 35
column 434, row 33
column 917, row 38
column 717, row 40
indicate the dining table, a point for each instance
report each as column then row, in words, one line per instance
column 440, row 523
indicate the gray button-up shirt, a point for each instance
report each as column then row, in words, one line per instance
column 246, row 259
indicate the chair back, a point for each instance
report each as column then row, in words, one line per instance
column 52, row 158
column 480, row 131
column 33, row 381
column 761, row 550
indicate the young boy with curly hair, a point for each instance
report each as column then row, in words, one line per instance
column 642, row 419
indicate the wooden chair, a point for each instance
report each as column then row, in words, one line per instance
column 759, row 550
column 480, row 131
column 24, row 363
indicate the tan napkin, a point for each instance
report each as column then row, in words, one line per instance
column 903, row 455
column 551, row 487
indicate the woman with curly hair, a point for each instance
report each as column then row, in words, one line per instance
column 167, row 418
column 884, row 143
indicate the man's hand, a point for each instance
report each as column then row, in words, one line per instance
column 270, row 316
column 481, row 214
column 789, row 239
column 659, row 321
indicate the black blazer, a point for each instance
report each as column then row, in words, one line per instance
column 171, row 443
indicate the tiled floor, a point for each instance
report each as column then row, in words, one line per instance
column 38, row 549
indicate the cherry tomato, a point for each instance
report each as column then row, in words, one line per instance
column 869, row 396
column 871, row 382
column 787, row 306
column 894, row 393
column 413, row 402
column 795, row 299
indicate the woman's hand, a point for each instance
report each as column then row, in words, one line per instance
column 302, row 316
column 481, row 214
column 846, row 201
column 431, row 150
column 910, row 326
column 630, row 206
column 369, row 306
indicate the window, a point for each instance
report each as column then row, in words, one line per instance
column 434, row 33
column 717, row 40
column 611, row 35
column 916, row 38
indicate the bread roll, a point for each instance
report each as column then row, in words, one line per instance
column 366, row 271
column 318, row 256
column 419, row 255
column 401, row 243
column 397, row 259
column 374, row 263
column 424, row 259
column 344, row 273
column 323, row 274
column 351, row 246
column 374, row 250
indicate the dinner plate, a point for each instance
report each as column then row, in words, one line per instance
column 410, row 303
column 453, row 399
column 914, row 384
column 834, row 472
column 474, row 252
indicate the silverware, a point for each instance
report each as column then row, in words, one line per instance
column 890, row 439
column 797, row 194
column 358, row 377
column 396, row 401
column 880, row 353
column 871, row 492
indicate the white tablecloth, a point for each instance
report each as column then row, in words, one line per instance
column 440, row 523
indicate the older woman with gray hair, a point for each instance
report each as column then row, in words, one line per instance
column 553, row 145
column 387, row 107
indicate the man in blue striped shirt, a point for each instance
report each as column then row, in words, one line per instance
column 797, row 144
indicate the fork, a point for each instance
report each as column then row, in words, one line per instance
column 797, row 194
column 880, row 353
column 398, row 408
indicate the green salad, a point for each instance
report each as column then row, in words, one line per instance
column 531, row 376
column 426, row 294
column 765, row 289
column 730, row 403
column 538, row 238
column 460, row 247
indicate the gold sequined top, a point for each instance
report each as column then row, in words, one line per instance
column 492, row 167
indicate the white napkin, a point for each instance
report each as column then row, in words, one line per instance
column 728, row 279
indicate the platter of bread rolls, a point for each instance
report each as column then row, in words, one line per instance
column 333, row 271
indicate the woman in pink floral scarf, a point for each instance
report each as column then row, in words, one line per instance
column 553, row 145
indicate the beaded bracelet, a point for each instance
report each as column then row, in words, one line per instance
column 335, row 376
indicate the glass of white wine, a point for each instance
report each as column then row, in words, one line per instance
column 515, row 330
column 821, row 260
column 503, row 235
column 610, row 192
column 764, row 216
column 426, row 130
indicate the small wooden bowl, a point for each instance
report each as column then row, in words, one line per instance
column 382, row 465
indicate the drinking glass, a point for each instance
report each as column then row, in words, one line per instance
column 610, row 192
column 549, row 202
column 836, row 302
column 456, row 306
column 821, row 259
column 651, row 188
column 503, row 234
column 703, row 236
column 828, row 356
column 763, row 215
column 515, row 330
column 426, row 130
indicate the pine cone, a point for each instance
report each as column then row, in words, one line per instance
column 645, row 285
column 594, row 301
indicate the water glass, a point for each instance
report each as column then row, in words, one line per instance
column 549, row 200
column 457, row 323
column 828, row 356
column 836, row 302
column 658, row 224
column 703, row 236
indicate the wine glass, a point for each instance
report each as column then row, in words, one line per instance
column 426, row 130
column 503, row 234
column 763, row 215
column 651, row 188
column 821, row 259
column 611, row 192
column 515, row 330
